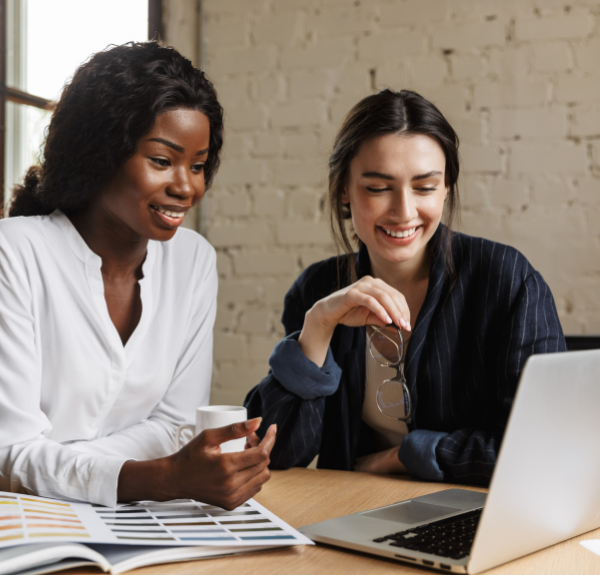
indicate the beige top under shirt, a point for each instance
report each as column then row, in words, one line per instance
column 390, row 430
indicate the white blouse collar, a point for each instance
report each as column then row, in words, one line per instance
column 83, row 251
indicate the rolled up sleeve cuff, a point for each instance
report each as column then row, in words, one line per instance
column 104, row 480
column 299, row 375
column 417, row 454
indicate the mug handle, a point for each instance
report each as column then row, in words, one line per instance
column 178, row 444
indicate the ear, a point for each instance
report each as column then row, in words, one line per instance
column 345, row 196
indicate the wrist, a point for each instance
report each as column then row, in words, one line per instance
column 398, row 466
column 316, row 326
column 315, row 337
column 147, row 480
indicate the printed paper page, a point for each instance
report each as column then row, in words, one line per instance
column 28, row 519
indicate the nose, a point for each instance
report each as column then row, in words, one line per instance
column 404, row 206
column 181, row 186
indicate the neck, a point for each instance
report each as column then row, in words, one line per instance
column 403, row 276
column 122, row 251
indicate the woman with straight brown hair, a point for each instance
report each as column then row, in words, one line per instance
column 404, row 356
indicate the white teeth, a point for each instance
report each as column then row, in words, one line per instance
column 400, row 234
column 175, row 215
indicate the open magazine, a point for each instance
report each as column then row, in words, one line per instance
column 42, row 535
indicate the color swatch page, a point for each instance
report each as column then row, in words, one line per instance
column 28, row 519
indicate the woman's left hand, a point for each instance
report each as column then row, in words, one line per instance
column 382, row 462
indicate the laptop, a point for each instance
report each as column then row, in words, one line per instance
column 545, row 487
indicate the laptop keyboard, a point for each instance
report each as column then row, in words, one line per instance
column 451, row 537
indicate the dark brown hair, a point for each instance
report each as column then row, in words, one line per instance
column 112, row 101
column 389, row 112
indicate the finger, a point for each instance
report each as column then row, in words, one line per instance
column 241, row 481
column 259, row 454
column 220, row 435
column 268, row 440
column 253, row 455
column 360, row 298
column 252, row 441
column 250, row 488
column 393, row 302
column 404, row 320
column 390, row 304
column 401, row 319
column 249, row 474
column 249, row 494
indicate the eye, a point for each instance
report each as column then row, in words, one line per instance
column 378, row 190
column 198, row 168
column 426, row 189
column 162, row 162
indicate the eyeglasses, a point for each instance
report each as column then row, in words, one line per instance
column 386, row 346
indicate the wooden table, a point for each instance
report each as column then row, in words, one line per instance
column 303, row 496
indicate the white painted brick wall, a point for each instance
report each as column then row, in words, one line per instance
column 518, row 79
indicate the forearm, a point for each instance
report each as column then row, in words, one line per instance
column 49, row 469
column 469, row 456
column 149, row 439
column 381, row 462
column 299, row 422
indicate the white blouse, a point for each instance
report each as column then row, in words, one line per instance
column 75, row 404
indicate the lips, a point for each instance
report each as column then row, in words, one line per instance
column 397, row 236
column 171, row 216
column 400, row 233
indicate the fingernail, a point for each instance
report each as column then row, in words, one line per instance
column 250, row 422
column 389, row 319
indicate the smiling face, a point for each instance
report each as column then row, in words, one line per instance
column 396, row 191
column 149, row 196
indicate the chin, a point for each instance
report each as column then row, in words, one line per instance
column 164, row 235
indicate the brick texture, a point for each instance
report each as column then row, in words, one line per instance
column 518, row 79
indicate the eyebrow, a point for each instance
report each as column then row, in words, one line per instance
column 175, row 147
column 382, row 176
column 377, row 175
column 427, row 175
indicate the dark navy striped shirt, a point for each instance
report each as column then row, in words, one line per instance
column 468, row 347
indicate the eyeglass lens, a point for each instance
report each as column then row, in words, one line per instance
column 386, row 345
column 393, row 399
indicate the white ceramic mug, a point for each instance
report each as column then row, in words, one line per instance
column 211, row 416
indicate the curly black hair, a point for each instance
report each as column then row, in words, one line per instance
column 111, row 102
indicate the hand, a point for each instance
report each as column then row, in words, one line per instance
column 382, row 462
column 202, row 472
column 365, row 302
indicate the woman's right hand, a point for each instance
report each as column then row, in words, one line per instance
column 203, row 473
column 369, row 301
column 200, row 471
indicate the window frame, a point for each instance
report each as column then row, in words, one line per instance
column 11, row 94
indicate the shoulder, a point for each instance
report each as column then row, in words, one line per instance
column 187, row 251
column 15, row 230
column 314, row 283
column 474, row 255
column 320, row 279
column 494, row 271
column 24, row 237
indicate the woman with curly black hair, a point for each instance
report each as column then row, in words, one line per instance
column 106, row 307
